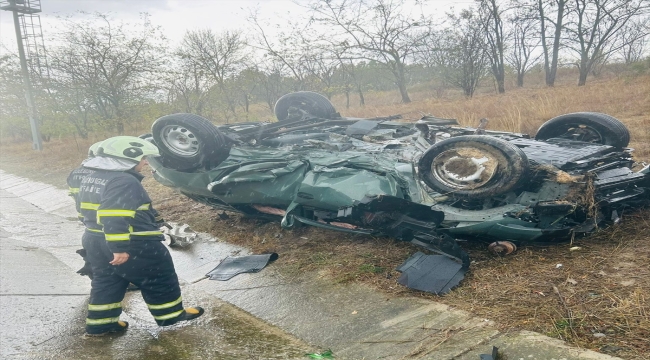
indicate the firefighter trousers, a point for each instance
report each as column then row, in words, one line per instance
column 150, row 267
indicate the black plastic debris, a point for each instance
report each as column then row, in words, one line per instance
column 493, row 356
column 443, row 245
column 232, row 266
column 437, row 274
column 361, row 127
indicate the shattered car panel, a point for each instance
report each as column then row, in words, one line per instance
column 428, row 182
column 431, row 273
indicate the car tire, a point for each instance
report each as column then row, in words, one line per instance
column 310, row 102
column 473, row 166
column 189, row 142
column 586, row 126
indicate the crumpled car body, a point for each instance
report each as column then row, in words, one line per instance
column 428, row 182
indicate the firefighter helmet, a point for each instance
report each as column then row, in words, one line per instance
column 92, row 151
column 127, row 148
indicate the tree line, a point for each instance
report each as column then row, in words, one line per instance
column 108, row 75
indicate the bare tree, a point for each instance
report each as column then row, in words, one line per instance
column 460, row 55
column 352, row 78
column 634, row 39
column 525, row 40
column 545, row 8
column 321, row 64
column 219, row 55
column 428, row 52
column 594, row 27
column 247, row 83
column 376, row 30
column 286, row 50
column 491, row 14
column 346, row 70
column 189, row 85
column 103, row 68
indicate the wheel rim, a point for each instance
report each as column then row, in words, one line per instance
column 583, row 133
column 180, row 140
column 464, row 168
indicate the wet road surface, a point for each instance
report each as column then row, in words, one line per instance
column 43, row 304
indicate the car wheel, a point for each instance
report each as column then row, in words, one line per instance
column 310, row 102
column 586, row 126
column 473, row 166
column 188, row 142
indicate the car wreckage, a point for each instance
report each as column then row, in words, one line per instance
column 431, row 182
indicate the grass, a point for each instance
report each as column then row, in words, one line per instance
column 599, row 298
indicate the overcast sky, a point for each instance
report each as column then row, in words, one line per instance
column 178, row 16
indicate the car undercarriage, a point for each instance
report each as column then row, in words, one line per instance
column 428, row 181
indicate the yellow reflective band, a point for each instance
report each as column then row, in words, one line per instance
column 89, row 206
column 144, row 207
column 117, row 237
column 94, row 230
column 145, row 233
column 104, row 307
column 169, row 316
column 166, row 305
column 129, row 213
column 73, row 190
column 102, row 321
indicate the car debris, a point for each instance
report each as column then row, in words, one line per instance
column 437, row 274
column 492, row 356
column 233, row 266
column 430, row 181
column 178, row 235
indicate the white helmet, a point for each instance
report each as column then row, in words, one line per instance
column 127, row 147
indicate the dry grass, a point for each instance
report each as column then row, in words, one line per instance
column 524, row 110
column 603, row 288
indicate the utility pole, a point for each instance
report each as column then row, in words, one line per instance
column 23, row 7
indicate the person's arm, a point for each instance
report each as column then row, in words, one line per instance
column 120, row 199
column 73, row 191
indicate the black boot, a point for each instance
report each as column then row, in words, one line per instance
column 188, row 314
column 118, row 327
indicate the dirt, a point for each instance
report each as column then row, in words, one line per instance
column 462, row 167
column 459, row 161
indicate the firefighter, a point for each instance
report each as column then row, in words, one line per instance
column 74, row 180
column 124, row 243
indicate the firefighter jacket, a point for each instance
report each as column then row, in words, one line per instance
column 116, row 203
column 74, row 181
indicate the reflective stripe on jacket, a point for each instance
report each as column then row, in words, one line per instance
column 116, row 202
column 74, row 181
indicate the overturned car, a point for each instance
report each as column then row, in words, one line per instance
column 429, row 182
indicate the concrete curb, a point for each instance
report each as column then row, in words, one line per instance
column 356, row 322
